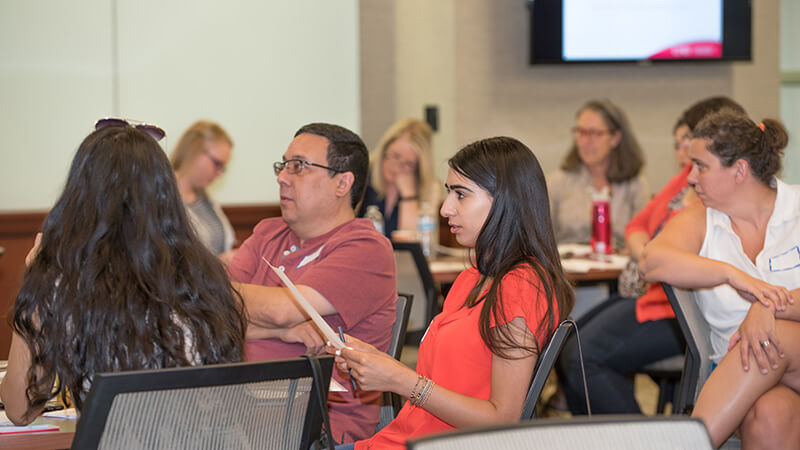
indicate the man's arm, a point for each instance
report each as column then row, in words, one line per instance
column 273, row 307
column 305, row 333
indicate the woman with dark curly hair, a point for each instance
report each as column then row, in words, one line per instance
column 118, row 280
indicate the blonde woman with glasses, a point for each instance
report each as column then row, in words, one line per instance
column 401, row 179
column 199, row 158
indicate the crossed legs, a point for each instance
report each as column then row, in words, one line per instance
column 767, row 407
column 774, row 421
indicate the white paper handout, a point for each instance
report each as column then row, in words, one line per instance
column 69, row 413
column 335, row 386
column 323, row 326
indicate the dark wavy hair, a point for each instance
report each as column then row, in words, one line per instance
column 518, row 233
column 626, row 159
column 734, row 136
column 347, row 153
column 120, row 281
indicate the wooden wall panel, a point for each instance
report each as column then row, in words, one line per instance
column 17, row 232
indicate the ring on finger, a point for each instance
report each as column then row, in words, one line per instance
column 765, row 344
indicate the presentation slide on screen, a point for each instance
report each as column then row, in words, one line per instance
column 642, row 29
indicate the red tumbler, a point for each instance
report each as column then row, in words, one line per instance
column 601, row 226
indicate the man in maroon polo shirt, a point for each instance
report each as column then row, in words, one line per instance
column 341, row 264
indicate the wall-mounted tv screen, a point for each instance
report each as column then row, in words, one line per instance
column 578, row 31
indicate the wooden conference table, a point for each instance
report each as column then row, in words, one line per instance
column 579, row 270
column 44, row 440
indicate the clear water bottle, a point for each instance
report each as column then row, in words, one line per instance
column 374, row 214
column 426, row 227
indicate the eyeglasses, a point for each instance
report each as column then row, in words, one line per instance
column 398, row 160
column 588, row 132
column 218, row 164
column 154, row 131
column 294, row 166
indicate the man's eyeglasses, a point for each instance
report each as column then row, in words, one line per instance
column 154, row 131
column 588, row 132
column 294, row 166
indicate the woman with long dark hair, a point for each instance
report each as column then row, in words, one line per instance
column 477, row 357
column 118, row 280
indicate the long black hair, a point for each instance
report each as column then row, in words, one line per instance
column 120, row 281
column 518, row 232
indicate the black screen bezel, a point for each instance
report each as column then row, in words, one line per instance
column 546, row 46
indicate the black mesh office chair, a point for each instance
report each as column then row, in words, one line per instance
column 272, row 404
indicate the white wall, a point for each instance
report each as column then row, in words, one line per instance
column 260, row 69
column 790, row 93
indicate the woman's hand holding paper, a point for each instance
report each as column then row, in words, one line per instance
column 373, row 369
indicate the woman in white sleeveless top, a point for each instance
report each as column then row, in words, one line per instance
column 739, row 250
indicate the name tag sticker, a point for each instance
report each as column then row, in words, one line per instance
column 787, row 260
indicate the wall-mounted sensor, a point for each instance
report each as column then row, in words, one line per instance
column 432, row 117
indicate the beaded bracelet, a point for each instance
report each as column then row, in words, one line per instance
column 423, row 393
column 414, row 394
column 429, row 387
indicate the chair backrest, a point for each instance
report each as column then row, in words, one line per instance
column 270, row 404
column 414, row 277
column 402, row 311
column 697, row 334
column 544, row 364
column 392, row 402
column 597, row 432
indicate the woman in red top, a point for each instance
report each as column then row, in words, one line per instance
column 477, row 358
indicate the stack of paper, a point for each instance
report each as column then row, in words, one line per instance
column 8, row 427
column 69, row 413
